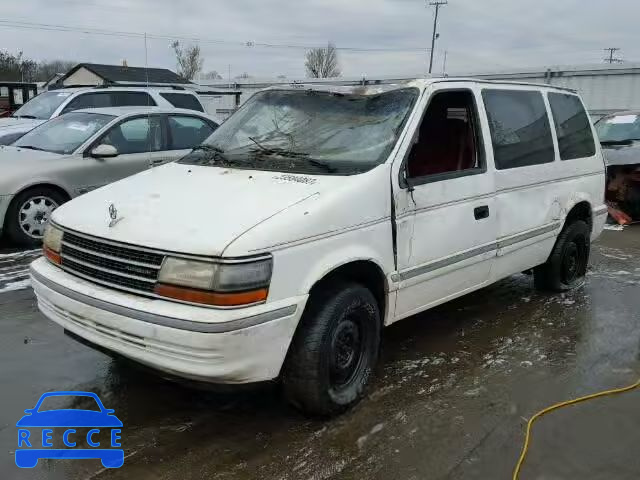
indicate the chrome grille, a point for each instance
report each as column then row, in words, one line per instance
column 110, row 264
column 95, row 245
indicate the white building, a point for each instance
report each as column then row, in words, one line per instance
column 605, row 88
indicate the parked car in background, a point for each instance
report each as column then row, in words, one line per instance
column 83, row 150
column 316, row 215
column 53, row 103
column 619, row 135
column 14, row 95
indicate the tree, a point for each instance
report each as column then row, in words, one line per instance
column 189, row 60
column 212, row 75
column 322, row 62
column 48, row 68
column 16, row 68
column 19, row 69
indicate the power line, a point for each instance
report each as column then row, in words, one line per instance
column 435, row 35
column 125, row 34
column 611, row 58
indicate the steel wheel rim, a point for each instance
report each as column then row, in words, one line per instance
column 34, row 214
column 347, row 351
column 573, row 262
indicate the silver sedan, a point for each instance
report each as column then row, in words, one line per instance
column 84, row 150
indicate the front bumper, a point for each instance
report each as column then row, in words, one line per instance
column 5, row 200
column 220, row 346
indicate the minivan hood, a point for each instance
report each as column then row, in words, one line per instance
column 189, row 209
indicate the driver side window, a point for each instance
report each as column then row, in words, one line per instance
column 447, row 143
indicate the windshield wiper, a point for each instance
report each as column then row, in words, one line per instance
column 627, row 141
column 217, row 151
column 324, row 166
column 260, row 146
column 32, row 117
column 31, row 147
column 281, row 152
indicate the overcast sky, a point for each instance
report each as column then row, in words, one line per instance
column 479, row 35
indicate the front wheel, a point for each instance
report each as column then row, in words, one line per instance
column 334, row 351
column 567, row 265
column 29, row 213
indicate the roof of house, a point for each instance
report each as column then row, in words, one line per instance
column 53, row 78
column 121, row 74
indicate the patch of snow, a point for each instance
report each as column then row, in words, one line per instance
column 19, row 285
column 475, row 392
column 616, row 228
column 377, row 428
column 26, row 253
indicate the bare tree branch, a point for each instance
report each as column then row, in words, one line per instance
column 189, row 60
column 322, row 62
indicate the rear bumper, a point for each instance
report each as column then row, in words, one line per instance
column 220, row 346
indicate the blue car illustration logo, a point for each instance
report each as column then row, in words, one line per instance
column 29, row 452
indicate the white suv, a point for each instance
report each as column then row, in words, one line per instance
column 53, row 103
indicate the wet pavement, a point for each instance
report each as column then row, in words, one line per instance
column 453, row 392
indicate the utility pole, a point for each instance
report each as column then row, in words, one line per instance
column 611, row 58
column 444, row 65
column 437, row 4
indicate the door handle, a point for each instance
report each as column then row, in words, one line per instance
column 481, row 212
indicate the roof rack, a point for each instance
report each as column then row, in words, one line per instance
column 141, row 85
column 502, row 82
column 124, row 85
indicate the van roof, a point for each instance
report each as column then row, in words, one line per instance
column 374, row 88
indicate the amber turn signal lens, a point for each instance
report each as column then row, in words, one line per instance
column 52, row 256
column 211, row 298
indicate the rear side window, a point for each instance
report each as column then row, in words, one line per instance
column 183, row 100
column 575, row 139
column 188, row 132
column 89, row 100
column 520, row 130
column 132, row 99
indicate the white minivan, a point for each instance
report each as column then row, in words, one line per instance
column 316, row 215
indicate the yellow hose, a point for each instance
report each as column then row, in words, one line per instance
column 525, row 447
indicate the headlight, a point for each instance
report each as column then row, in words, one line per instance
column 52, row 243
column 222, row 284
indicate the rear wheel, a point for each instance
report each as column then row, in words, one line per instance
column 567, row 265
column 334, row 350
column 29, row 213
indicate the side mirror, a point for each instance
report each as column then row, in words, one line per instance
column 104, row 151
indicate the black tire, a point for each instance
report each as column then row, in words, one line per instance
column 567, row 265
column 15, row 232
column 334, row 350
